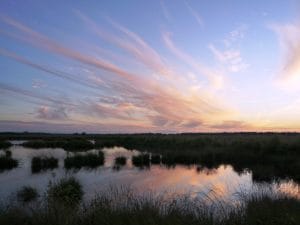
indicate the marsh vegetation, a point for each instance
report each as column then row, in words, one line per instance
column 120, row 160
column 7, row 162
column 268, row 159
column 43, row 163
column 68, row 144
column 62, row 204
column 27, row 194
column 90, row 160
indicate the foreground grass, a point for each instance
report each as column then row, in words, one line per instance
column 118, row 206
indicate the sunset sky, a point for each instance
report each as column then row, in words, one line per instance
column 149, row 66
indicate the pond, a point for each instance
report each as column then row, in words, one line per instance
column 221, row 183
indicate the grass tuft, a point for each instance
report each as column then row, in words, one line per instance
column 88, row 160
column 120, row 160
column 27, row 194
column 43, row 163
column 67, row 191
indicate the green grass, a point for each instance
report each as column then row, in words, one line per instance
column 27, row 194
column 43, row 163
column 90, row 160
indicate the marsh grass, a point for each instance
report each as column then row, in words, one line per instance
column 27, row 194
column 66, row 144
column 89, row 160
column 141, row 160
column 7, row 162
column 5, row 144
column 43, row 163
column 120, row 160
column 268, row 155
column 123, row 205
column 67, row 191
column 155, row 159
column 8, row 154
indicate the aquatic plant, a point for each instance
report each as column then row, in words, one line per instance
column 90, row 160
column 155, row 159
column 7, row 153
column 120, row 160
column 5, row 144
column 43, row 163
column 141, row 160
column 7, row 163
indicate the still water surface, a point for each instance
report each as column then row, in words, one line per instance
column 222, row 183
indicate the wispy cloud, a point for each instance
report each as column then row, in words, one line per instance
column 289, row 40
column 165, row 10
column 131, row 99
column 48, row 113
column 31, row 94
column 214, row 77
column 195, row 14
column 230, row 58
column 131, row 43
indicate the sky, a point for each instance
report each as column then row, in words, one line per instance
column 135, row 66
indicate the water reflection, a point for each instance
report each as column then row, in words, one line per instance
column 219, row 183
